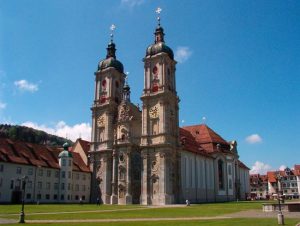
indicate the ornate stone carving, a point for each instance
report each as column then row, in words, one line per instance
column 124, row 113
column 99, row 171
column 154, row 166
column 121, row 191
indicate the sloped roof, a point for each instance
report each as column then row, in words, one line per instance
column 20, row 152
column 189, row 142
column 296, row 170
column 242, row 165
column 207, row 138
column 78, row 163
column 85, row 145
column 204, row 134
column 271, row 176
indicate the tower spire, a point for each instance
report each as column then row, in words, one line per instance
column 126, row 89
column 111, row 48
column 159, row 31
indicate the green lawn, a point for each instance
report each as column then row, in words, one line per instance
column 131, row 211
column 46, row 208
column 227, row 222
column 87, row 211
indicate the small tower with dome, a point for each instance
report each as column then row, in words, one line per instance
column 66, row 167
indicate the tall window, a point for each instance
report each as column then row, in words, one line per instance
column 29, row 184
column 221, row 174
column 19, row 170
column 48, row 173
column 1, row 168
column 30, row 171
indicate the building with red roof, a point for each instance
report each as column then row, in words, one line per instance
column 53, row 175
column 267, row 186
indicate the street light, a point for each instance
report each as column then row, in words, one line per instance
column 280, row 217
column 22, row 214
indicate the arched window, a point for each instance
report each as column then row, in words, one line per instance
column 221, row 174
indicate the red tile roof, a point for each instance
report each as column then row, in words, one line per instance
column 189, row 142
column 271, row 176
column 296, row 170
column 207, row 138
column 35, row 154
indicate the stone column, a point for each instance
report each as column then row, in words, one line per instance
column 128, row 179
column 114, row 196
column 144, row 179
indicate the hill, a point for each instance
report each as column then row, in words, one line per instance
column 31, row 135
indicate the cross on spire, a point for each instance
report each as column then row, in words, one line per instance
column 112, row 28
column 158, row 11
column 126, row 78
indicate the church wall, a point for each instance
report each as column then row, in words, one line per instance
column 197, row 178
column 245, row 183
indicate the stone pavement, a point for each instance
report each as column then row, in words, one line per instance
column 7, row 221
column 261, row 214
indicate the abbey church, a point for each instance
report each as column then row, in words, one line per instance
column 142, row 156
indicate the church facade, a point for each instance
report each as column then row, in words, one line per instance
column 141, row 156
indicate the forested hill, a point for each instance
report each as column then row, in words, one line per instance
column 27, row 134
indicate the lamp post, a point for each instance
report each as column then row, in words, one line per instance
column 22, row 214
column 280, row 217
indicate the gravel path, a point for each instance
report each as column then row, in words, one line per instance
column 261, row 214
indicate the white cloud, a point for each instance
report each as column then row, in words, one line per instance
column 132, row 3
column 260, row 167
column 182, row 54
column 26, row 86
column 61, row 129
column 2, row 105
column 282, row 167
column 254, row 138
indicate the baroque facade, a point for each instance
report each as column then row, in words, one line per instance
column 141, row 155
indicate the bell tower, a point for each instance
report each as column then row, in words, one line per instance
column 109, row 82
column 160, row 131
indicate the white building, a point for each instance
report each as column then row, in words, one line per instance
column 54, row 175
column 288, row 183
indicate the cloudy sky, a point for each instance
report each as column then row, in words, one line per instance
column 238, row 66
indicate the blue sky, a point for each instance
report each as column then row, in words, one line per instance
column 238, row 66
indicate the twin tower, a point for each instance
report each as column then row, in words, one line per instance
column 134, row 153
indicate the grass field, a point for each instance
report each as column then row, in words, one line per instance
column 93, row 212
column 227, row 222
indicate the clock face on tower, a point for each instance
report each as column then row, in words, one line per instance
column 100, row 121
column 154, row 112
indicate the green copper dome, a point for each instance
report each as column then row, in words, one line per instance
column 160, row 47
column 65, row 152
column 111, row 62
